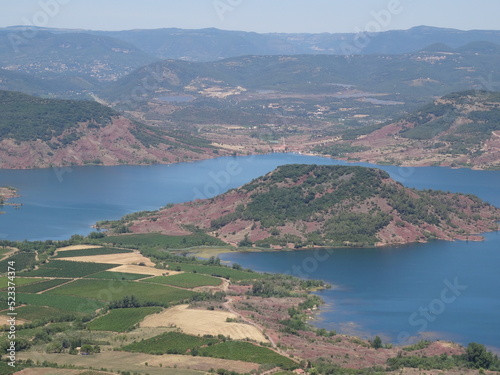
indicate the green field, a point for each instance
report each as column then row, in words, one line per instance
column 66, row 268
column 111, row 290
column 186, row 280
column 244, row 351
column 90, row 252
column 169, row 343
column 163, row 241
column 41, row 286
column 121, row 320
column 19, row 281
column 32, row 313
column 180, row 343
column 70, row 303
column 110, row 275
column 23, row 261
column 219, row 271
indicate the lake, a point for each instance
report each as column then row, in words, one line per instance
column 446, row 290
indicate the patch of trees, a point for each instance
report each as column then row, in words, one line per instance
column 358, row 228
column 129, row 302
column 476, row 357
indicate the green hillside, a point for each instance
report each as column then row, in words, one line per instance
column 28, row 118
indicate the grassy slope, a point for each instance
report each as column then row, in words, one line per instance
column 41, row 286
column 90, row 252
column 225, row 272
column 111, row 290
column 186, row 280
column 121, row 320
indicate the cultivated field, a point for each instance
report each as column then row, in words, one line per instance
column 91, row 252
column 117, row 276
column 63, row 268
column 41, row 286
column 125, row 361
column 32, row 313
column 71, row 303
column 170, row 343
column 111, row 290
column 226, row 272
column 143, row 270
column 127, row 258
column 122, row 320
column 203, row 322
column 19, row 281
column 53, row 371
column 77, row 247
column 187, row 280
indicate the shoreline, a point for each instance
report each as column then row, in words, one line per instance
column 207, row 251
column 347, row 159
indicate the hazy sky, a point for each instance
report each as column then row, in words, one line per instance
column 312, row 16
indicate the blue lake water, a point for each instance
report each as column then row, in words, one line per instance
column 446, row 290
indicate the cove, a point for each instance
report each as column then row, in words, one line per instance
column 397, row 292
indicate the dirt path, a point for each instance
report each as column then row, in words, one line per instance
column 13, row 250
column 57, row 286
column 124, row 361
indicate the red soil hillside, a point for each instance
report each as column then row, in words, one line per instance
column 40, row 133
column 310, row 205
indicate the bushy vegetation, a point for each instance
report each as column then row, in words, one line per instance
column 476, row 357
column 298, row 317
column 435, row 118
column 275, row 206
column 422, row 344
column 284, row 286
column 362, row 228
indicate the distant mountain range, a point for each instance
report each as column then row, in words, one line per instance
column 429, row 72
column 70, row 63
column 214, row 44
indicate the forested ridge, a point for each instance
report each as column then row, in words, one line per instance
column 28, row 118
